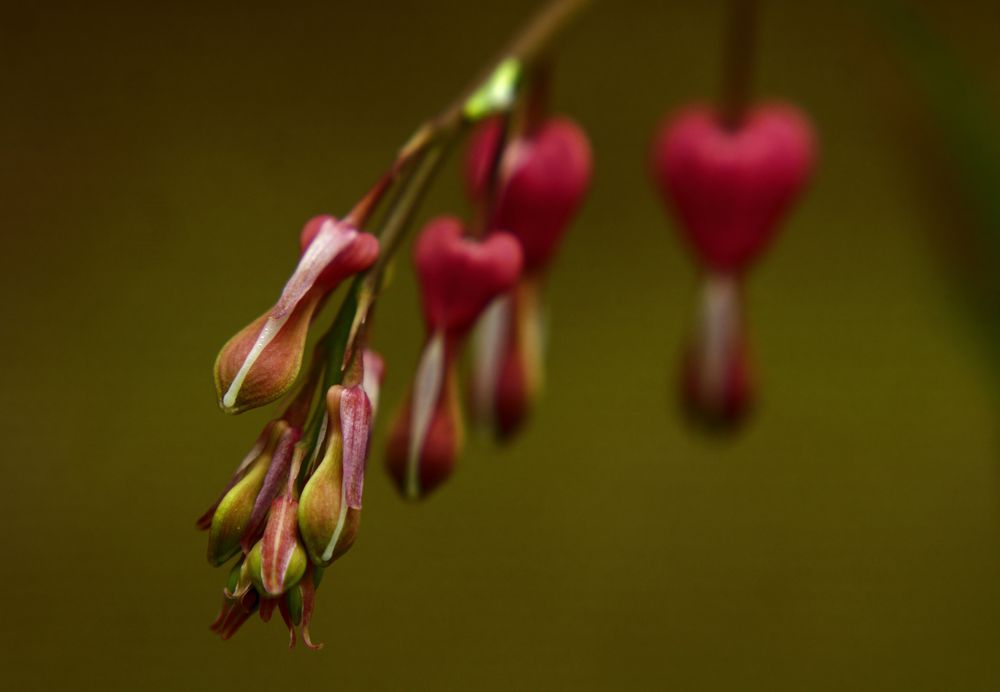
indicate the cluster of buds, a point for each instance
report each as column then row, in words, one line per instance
column 729, row 186
column 293, row 504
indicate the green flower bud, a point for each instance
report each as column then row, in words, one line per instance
column 235, row 509
column 327, row 522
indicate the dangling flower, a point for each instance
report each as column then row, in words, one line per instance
column 729, row 188
column 458, row 277
column 541, row 181
column 261, row 362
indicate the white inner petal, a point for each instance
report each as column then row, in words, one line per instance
column 720, row 315
column 266, row 336
column 426, row 390
column 490, row 340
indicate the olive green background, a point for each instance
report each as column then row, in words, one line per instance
column 157, row 163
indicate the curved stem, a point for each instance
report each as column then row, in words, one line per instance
column 414, row 168
column 738, row 68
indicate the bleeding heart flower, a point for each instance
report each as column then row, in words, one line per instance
column 261, row 362
column 542, row 179
column 730, row 188
column 459, row 276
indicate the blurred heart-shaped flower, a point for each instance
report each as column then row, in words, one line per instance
column 730, row 187
column 541, row 182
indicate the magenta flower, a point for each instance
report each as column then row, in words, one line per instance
column 730, row 188
column 541, row 181
column 459, row 276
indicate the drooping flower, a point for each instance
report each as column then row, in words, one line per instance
column 730, row 187
column 541, row 180
column 261, row 362
column 459, row 276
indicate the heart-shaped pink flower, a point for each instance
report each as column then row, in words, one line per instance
column 542, row 181
column 459, row 276
column 730, row 188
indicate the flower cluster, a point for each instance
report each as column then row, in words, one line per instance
column 293, row 504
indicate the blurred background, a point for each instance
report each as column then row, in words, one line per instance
column 157, row 164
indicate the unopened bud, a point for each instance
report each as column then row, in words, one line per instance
column 330, row 506
column 233, row 514
column 261, row 362
column 282, row 557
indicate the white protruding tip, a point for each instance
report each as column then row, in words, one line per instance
column 266, row 336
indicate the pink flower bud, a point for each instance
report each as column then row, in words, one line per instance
column 355, row 257
column 282, row 557
column 459, row 276
column 261, row 362
column 730, row 188
column 542, row 180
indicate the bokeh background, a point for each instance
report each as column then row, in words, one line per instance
column 157, row 163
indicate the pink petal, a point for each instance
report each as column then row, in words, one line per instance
column 355, row 421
